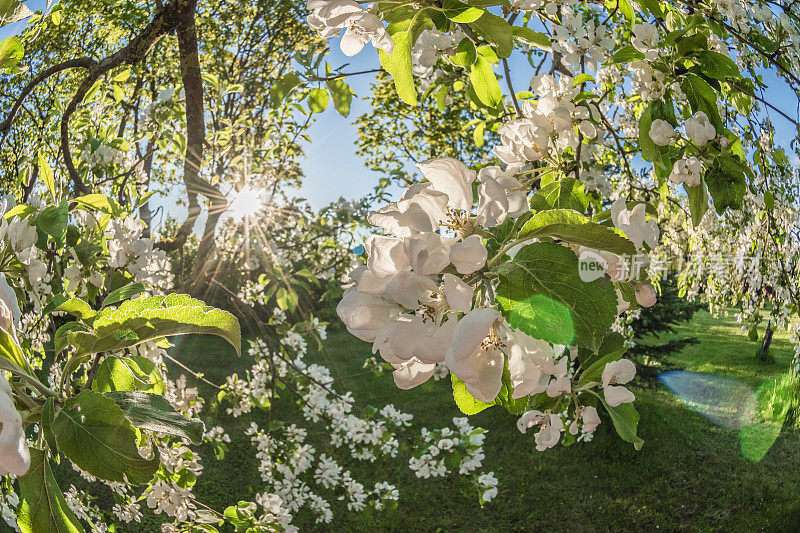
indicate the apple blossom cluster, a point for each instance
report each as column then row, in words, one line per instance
column 128, row 249
column 102, row 155
column 547, row 125
column 412, row 287
column 293, row 468
column 582, row 45
column 19, row 240
column 9, row 500
column 427, row 295
column 422, row 298
column 361, row 25
column 126, row 509
column 436, row 448
column 164, row 99
column 287, row 462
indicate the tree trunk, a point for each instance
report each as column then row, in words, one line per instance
column 763, row 353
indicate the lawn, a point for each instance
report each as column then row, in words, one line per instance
column 689, row 474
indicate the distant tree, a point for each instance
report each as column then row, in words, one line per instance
column 655, row 323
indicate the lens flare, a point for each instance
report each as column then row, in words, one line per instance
column 758, row 415
column 550, row 319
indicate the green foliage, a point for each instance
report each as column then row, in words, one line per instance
column 147, row 318
column 398, row 65
column 571, row 226
column 533, row 38
column 541, row 293
column 318, row 100
column 698, row 202
column 123, row 293
column 484, row 82
column 43, row 507
column 154, row 413
column 497, row 31
column 567, row 193
column 93, row 432
column 612, row 349
column 464, row 400
column 128, row 374
column 626, row 421
column 11, row 52
column 342, row 96
column 727, row 182
column 461, row 12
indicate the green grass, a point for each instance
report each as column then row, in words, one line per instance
column 690, row 474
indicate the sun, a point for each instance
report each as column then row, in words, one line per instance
column 245, row 202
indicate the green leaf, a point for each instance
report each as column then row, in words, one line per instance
column 533, row 38
column 13, row 11
column 154, row 413
column 567, row 193
column 581, row 79
column 123, row 293
column 48, row 417
column 342, row 96
column 43, row 507
column 468, row 404
column 626, row 54
column 653, row 6
column 61, row 338
column 571, row 226
column 154, row 317
column 100, row 202
column 74, row 306
column 626, row 420
column 398, row 65
column 466, row 54
column 93, row 433
column 726, row 182
column 702, row 98
column 281, row 88
column 22, row 211
column 129, row 374
column 484, row 82
column 624, row 7
column 286, row 299
column 11, row 52
column 497, row 31
column 769, row 200
column 650, row 150
column 477, row 134
column 541, row 294
column 716, row 65
column 318, row 100
column 461, row 12
column 692, row 43
column 53, row 221
column 612, row 349
column 698, row 202
column 10, row 350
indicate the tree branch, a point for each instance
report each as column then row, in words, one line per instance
column 81, row 62
column 164, row 21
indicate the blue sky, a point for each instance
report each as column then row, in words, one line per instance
column 331, row 167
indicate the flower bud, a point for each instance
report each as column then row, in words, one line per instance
column 646, row 295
